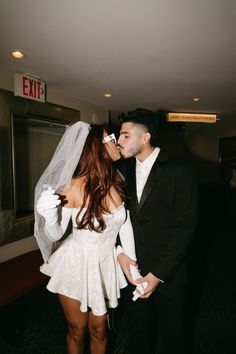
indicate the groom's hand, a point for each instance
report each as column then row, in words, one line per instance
column 152, row 282
column 125, row 262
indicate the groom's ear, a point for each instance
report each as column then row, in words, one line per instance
column 146, row 137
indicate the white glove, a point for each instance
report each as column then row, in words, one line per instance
column 47, row 206
column 135, row 274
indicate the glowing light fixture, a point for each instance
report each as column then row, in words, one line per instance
column 17, row 54
column 196, row 99
column 191, row 117
column 108, row 94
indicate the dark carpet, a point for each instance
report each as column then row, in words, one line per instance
column 35, row 324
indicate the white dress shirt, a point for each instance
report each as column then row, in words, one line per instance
column 143, row 169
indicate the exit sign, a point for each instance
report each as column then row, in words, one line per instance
column 29, row 87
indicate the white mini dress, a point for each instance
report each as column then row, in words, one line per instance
column 85, row 268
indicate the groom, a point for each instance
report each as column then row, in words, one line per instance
column 163, row 207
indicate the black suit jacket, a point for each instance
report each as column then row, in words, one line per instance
column 164, row 219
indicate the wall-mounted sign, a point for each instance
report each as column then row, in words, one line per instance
column 191, row 117
column 29, row 87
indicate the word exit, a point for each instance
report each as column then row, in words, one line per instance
column 29, row 87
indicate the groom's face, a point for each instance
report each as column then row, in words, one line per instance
column 131, row 139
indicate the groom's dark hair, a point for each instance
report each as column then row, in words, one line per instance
column 144, row 117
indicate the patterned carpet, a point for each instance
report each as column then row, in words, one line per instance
column 35, row 323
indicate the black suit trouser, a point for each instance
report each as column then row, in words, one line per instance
column 160, row 320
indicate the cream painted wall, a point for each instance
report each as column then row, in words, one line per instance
column 90, row 113
column 17, row 248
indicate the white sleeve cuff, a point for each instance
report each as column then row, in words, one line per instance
column 119, row 250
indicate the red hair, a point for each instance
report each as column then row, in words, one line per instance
column 97, row 166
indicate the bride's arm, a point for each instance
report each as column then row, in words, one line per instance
column 127, row 239
column 126, row 255
column 56, row 230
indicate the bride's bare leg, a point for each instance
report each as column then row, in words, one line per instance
column 98, row 333
column 77, row 324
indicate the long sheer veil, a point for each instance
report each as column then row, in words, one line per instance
column 58, row 174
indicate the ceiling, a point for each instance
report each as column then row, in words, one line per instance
column 157, row 54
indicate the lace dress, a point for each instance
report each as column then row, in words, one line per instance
column 85, row 268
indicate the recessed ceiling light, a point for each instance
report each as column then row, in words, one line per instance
column 196, row 99
column 108, row 94
column 17, row 54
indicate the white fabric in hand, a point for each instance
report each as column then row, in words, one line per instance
column 135, row 274
column 47, row 206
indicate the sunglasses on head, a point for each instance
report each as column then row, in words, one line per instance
column 108, row 138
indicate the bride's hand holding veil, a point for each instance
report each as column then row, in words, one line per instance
column 47, row 206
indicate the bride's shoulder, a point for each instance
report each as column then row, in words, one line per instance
column 73, row 193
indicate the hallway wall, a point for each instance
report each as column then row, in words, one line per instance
column 203, row 143
column 88, row 112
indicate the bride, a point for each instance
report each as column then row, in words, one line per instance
column 82, row 186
